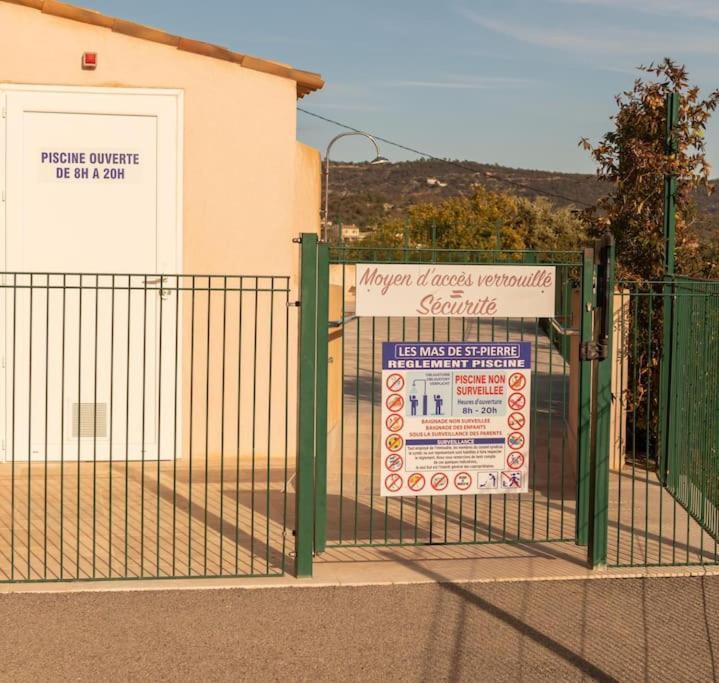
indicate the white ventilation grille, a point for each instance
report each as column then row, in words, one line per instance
column 89, row 420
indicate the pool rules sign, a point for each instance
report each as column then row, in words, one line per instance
column 455, row 418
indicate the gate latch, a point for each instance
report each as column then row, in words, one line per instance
column 593, row 350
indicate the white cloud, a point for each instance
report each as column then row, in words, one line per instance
column 697, row 9
column 604, row 40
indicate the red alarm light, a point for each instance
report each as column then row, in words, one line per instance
column 89, row 60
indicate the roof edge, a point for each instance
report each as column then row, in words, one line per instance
column 307, row 81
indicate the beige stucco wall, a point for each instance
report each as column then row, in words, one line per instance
column 241, row 157
column 249, row 187
column 308, row 188
column 620, row 379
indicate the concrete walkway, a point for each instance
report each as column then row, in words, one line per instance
column 635, row 629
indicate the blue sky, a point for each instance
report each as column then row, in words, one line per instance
column 514, row 82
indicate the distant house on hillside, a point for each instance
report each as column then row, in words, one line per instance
column 351, row 233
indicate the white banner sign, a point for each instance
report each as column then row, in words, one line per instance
column 433, row 291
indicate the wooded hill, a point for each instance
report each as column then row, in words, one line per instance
column 362, row 194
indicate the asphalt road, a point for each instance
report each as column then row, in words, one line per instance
column 628, row 629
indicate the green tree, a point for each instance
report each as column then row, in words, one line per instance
column 632, row 157
column 484, row 221
column 550, row 228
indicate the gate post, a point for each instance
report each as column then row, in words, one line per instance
column 322, row 341
column 584, row 422
column 307, row 390
column 599, row 486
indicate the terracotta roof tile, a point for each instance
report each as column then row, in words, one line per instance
column 60, row 9
column 130, row 28
column 207, row 49
column 307, row 81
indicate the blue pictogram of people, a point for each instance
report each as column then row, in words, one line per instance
column 423, row 402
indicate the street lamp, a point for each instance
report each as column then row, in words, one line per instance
column 379, row 159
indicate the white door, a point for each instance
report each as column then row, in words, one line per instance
column 91, row 221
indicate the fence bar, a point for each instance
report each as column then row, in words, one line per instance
column 666, row 367
column 584, row 421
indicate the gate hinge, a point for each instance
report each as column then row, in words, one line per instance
column 593, row 350
column 294, row 304
column 297, row 240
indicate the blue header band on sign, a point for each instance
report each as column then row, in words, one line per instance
column 456, row 442
column 456, row 356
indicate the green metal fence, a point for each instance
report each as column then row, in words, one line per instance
column 663, row 461
column 349, row 511
column 692, row 468
column 145, row 426
column 148, row 421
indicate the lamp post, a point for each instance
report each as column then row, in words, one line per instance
column 379, row 159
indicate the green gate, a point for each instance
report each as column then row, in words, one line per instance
column 338, row 489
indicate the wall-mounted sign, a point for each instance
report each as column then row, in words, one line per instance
column 455, row 290
column 455, row 418
column 89, row 165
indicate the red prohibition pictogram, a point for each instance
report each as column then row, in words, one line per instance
column 393, row 483
column 517, row 401
column 395, row 382
column 515, row 440
column 394, row 422
column 393, row 462
column 517, row 381
column 439, row 481
column 511, row 480
column 516, row 421
column 463, row 480
column 416, row 482
column 515, row 461
column 394, row 442
column 395, row 402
